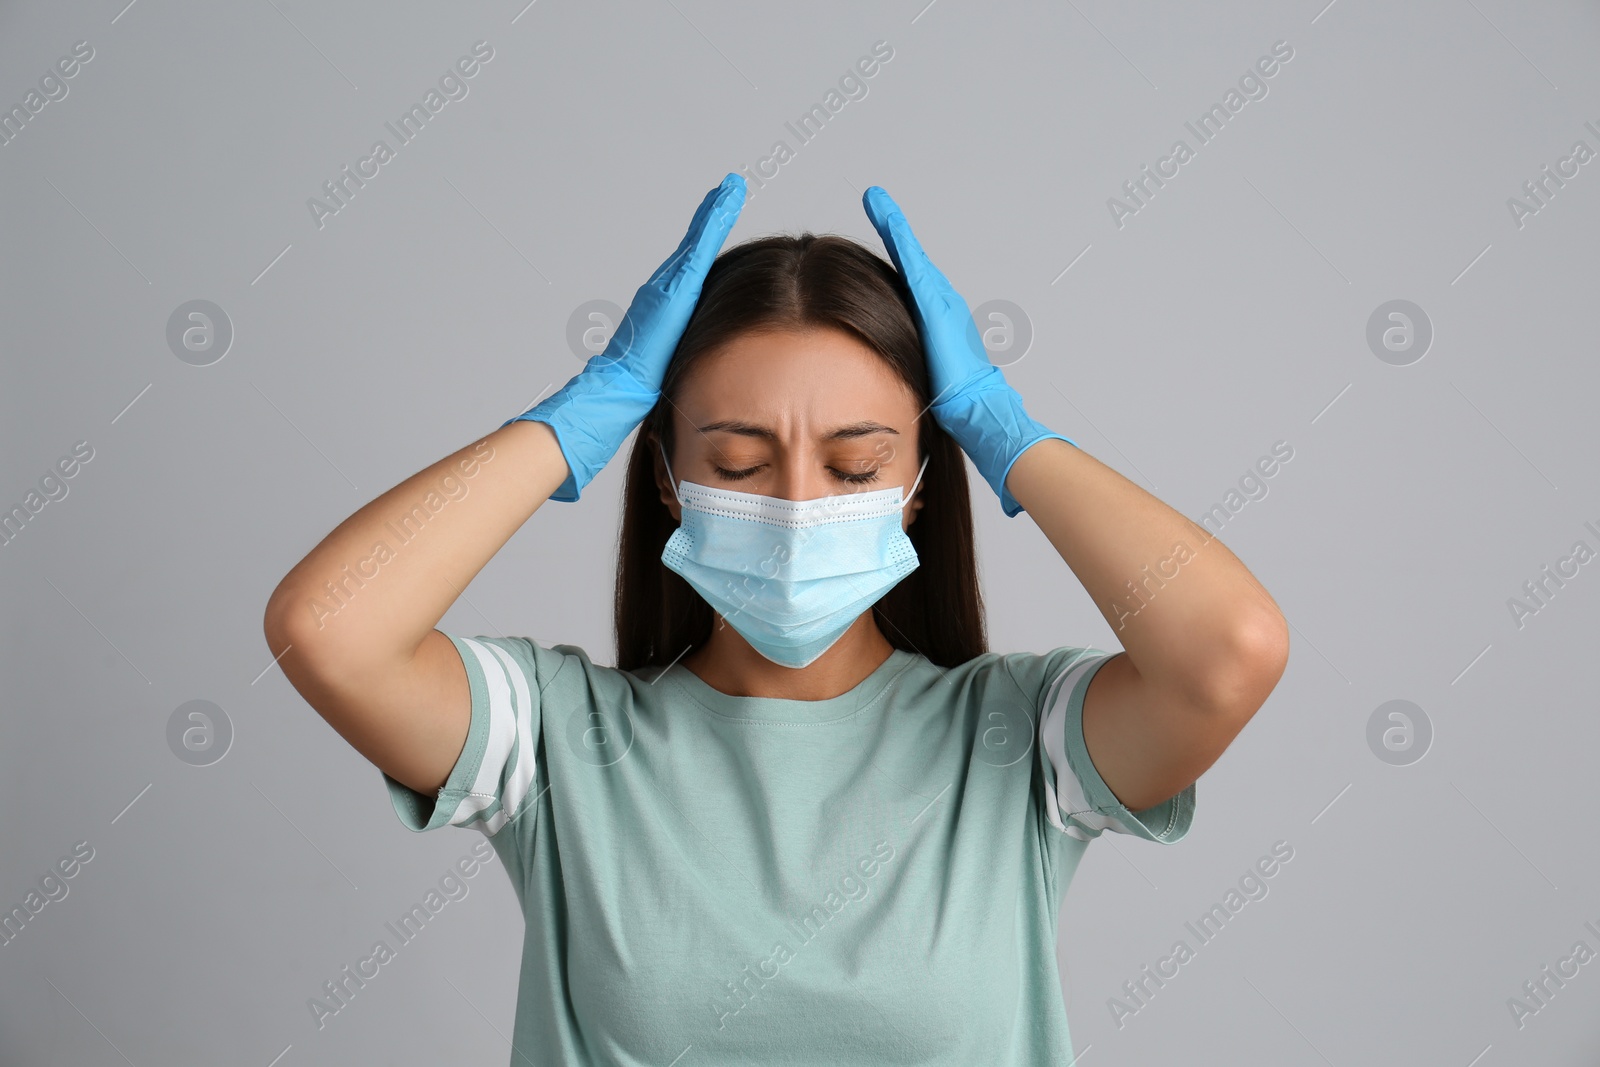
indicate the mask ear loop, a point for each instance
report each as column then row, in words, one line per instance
column 670, row 479
column 918, row 481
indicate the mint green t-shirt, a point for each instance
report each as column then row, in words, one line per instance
column 708, row 879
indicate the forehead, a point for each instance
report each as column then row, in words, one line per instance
column 800, row 380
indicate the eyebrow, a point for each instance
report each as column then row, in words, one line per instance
column 750, row 429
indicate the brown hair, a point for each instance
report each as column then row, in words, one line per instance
column 801, row 282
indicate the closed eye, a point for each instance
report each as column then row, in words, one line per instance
column 843, row 476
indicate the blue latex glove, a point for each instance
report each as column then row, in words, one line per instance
column 972, row 401
column 594, row 412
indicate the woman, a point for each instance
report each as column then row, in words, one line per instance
column 808, row 818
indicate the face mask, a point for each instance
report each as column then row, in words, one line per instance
column 790, row 575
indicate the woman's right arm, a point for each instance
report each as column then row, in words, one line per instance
column 354, row 621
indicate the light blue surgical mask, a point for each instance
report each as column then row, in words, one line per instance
column 790, row 575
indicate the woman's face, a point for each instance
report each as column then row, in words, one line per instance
column 795, row 415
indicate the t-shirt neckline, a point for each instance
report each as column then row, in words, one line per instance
column 783, row 709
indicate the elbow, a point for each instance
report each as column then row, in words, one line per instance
column 284, row 622
column 275, row 628
column 275, row 618
column 1257, row 654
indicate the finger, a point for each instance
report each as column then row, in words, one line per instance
column 904, row 248
column 713, row 231
column 937, row 302
column 708, row 230
column 696, row 224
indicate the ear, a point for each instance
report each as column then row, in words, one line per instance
column 915, row 505
column 663, row 483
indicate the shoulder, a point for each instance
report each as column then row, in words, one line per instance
column 542, row 669
column 1003, row 675
column 1008, row 692
column 1039, row 675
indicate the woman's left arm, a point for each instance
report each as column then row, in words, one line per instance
column 1204, row 644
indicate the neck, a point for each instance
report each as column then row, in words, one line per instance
column 728, row 664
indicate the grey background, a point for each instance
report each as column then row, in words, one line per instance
column 1228, row 314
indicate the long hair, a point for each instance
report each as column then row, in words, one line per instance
column 802, row 282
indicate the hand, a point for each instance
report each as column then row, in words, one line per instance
column 595, row 411
column 972, row 400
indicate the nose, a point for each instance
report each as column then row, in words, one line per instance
column 796, row 480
